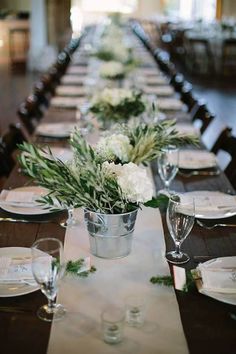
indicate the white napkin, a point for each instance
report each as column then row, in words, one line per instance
column 18, row 198
column 157, row 80
column 191, row 159
column 55, row 129
column 16, row 269
column 219, row 275
column 187, row 129
column 159, row 90
column 211, row 201
column 76, row 69
column 73, row 79
column 63, row 101
column 170, row 104
column 70, row 90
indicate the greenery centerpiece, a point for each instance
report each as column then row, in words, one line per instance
column 107, row 182
column 117, row 105
column 106, row 178
column 112, row 70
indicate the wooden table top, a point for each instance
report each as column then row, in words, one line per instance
column 209, row 325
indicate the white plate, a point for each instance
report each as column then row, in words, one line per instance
column 228, row 298
column 62, row 154
column 37, row 210
column 170, row 104
column 55, row 130
column 196, row 159
column 9, row 290
column 212, row 205
column 66, row 102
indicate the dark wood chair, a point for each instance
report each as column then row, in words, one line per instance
column 227, row 142
column 8, row 145
column 18, row 47
column 229, row 56
column 199, row 58
column 201, row 116
column 177, row 81
column 187, row 96
column 30, row 113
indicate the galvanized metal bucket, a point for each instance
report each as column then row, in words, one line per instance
column 110, row 235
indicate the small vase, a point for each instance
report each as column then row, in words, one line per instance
column 110, row 235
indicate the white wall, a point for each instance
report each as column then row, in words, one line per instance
column 229, row 8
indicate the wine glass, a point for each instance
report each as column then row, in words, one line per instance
column 168, row 165
column 180, row 219
column 48, row 268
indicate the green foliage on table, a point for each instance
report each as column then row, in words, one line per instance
column 83, row 182
column 167, row 280
column 149, row 139
column 128, row 107
column 72, row 268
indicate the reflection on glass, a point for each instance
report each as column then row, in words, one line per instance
column 48, row 267
column 180, row 219
column 168, row 165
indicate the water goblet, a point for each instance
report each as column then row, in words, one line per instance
column 168, row 165
column 48, row 267
column 180, row 220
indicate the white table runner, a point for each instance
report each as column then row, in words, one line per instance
column 85, row 298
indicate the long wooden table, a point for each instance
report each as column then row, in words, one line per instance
column 209, row 325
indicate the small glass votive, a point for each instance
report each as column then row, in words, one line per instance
column 113, row 325
column 135, row 310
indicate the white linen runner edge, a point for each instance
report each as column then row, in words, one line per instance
column 85, row 298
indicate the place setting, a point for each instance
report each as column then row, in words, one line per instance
column 197, row 163
column 55, row 130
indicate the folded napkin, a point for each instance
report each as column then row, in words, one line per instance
column 191, row 159
column 157, row 80
column 64, row 101
column 18, row 198
column 219, row 275
column 73, row 79
column 159, row 90
column 76, row 69
column 187, row 129
column 16, row 269
column 57, row 129
column 207, row 201
column 70, row 90
column 170, row 104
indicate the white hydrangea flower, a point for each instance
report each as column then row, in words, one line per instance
column 112, row 96
column 133, row 180
column 112, row 69
column 115, row 145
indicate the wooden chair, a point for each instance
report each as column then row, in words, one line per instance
column 30, row 113
column 199, row 58
column 187, row 96
column 177, row 81
column 8, row 145
column 229, row 56
column 201, row 116
column 227, row 142
column 18, row 47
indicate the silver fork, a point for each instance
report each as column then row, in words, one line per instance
column 60, row 223
column 210, row 227
column 199, row 173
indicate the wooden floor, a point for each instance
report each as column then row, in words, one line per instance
column 14, row 88
column 219, row 94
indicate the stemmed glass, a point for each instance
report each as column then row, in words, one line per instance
column 180, row 219
column 168, row 165
column 48, row 268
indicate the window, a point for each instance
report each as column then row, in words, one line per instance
column 124, row 6
column 196, row 9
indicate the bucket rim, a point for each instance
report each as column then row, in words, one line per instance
column 111, row 215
